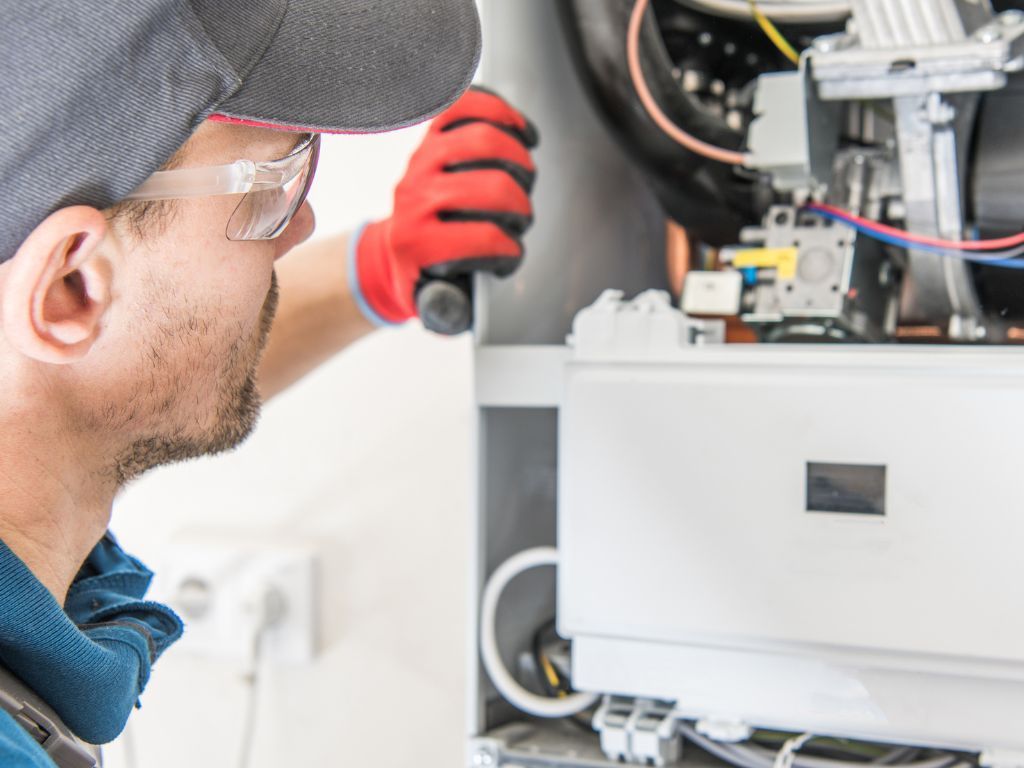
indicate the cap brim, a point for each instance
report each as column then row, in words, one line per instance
column 360, row 66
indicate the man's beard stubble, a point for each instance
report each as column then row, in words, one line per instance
column 239, row 404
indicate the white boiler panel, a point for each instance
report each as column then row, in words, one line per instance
column 823, row 539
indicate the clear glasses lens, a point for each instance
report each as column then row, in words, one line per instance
column 264, row 214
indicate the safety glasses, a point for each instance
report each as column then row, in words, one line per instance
column 273, row 191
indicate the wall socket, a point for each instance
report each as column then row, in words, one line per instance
column 224, row 589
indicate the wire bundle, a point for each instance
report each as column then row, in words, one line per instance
column 755, row 10
column 654, row 111
column 998, row 252
column 752, row 756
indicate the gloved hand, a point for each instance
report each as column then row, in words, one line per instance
column 462, row 206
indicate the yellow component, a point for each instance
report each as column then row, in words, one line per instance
column 773, row 33
column 782, row 259
column 550, row 674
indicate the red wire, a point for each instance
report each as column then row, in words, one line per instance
column 955, row 245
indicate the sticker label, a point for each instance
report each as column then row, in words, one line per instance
column 855, row 489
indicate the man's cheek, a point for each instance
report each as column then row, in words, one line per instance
column 298, row 231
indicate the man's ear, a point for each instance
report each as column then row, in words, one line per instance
column 57, row 288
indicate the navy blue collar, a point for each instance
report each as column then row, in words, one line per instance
column 91, row 659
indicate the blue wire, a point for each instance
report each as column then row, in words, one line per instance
column 901, row 243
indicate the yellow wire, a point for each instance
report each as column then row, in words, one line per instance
column 773, row 33
column 550, row 673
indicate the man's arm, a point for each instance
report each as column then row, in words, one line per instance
column 461, row 208
column 317, row 316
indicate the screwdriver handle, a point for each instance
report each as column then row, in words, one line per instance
column 445, row 306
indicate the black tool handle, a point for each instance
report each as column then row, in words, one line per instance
column 445, row 305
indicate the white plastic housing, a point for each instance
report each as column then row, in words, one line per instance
column 691, row 570
column 222, row 588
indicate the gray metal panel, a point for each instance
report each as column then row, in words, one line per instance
column 597, row 222
column 509, row 376
column 517, row 482
column 597, row 225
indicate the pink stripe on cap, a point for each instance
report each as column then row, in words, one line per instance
column 219, row 118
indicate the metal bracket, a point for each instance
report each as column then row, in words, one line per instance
column 932, row 134
column 933, row 73
column 945, row 53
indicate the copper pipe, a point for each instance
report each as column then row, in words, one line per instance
column 677, row 256
column 919, row 332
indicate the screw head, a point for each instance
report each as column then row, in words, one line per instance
column 483, row 759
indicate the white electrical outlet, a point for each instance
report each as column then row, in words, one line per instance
column 224, row 589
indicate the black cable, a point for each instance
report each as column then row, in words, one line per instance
column 582, row 720
column 536, row 650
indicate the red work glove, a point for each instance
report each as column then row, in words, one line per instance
column 462, row 206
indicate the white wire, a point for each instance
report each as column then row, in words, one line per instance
column 252, row 680
column 795, row 10
column 786, row 755
column 517, row 695
column 748, row 756
column 266, row 607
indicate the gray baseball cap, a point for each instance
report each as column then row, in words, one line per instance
column 96, row 96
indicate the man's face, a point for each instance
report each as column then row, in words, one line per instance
column 190, row 315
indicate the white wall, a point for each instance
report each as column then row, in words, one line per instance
column 368, row 460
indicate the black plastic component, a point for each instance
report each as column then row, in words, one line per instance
column 445, row 306
column 997, row 193
column 997, row 173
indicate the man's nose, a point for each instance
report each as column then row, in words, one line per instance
column 298, row 231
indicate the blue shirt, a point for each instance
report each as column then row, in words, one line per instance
column 89, row 660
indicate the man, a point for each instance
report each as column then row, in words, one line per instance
column 156, row 155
